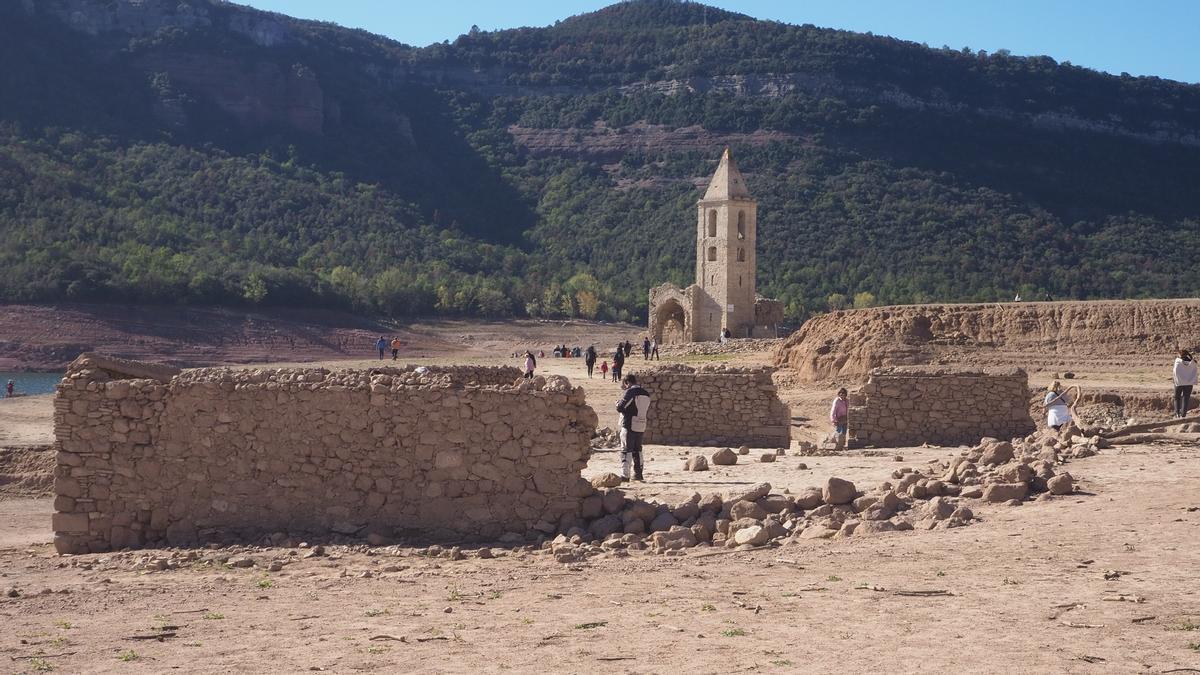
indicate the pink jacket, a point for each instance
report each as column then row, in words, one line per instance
column 839, row 411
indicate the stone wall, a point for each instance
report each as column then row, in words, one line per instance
column 231, row 455
column 715, row 405
column 908, row 406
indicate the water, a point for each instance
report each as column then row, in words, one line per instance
column 29, row 383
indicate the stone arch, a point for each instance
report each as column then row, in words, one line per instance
column 671, row 323
column 712, row 222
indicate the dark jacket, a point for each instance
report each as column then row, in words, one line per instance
column 633, row 407
column 589, row 357
column 619, row 357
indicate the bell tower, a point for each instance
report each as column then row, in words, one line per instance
column 725, row 254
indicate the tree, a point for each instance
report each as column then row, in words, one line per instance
column 864, row 299
column 836, row 301
column 589, row 304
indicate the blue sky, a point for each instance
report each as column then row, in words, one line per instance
column 1140, row 37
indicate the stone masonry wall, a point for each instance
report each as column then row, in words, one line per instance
column 906, row 406
column 222, row 454
column 714, row 406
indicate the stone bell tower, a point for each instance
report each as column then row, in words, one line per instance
column 725, row 255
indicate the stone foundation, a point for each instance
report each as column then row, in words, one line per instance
column 908, row 406
column 715, row 406
column 146, row 457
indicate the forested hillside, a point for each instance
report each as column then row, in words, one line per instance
column 202, row 152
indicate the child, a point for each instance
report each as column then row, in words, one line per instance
column 839, row 416
column 604, row 370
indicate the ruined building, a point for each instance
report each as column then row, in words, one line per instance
column 724, row 295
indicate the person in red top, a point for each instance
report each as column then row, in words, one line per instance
column 839, row 413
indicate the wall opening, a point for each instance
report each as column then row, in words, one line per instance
column 712, row 253
column 741, row 255
column 741, row 226
column 712, row 223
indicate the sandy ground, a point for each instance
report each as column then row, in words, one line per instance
column 1027, row 584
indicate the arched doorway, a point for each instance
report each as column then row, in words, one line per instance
column 671, row 323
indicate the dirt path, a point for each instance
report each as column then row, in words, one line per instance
column 27, row 420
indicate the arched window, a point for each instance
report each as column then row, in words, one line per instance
column 712, row 253
column 741, row 255
column 741, row 224
column 712, row 225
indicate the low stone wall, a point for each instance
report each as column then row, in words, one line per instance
column 221, row 454
column 716, row 405
column 908, row 406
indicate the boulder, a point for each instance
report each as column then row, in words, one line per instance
column 673, row 539
column 767, row 457
column 662, row 522
column 744, row 450
column 774, row 503
column 724, row 457
column 838, row 491
column 997, row 453
column 697, row 463
column 754, row 535
column 939, row 508
column 613, row 500
column 817, row 532
column 606, row 480
column 809, row 499
column 591, row 507
column 745, row 509
column 874, row 527
column 687, row 510
column 712, row 503
column 752, row 495
column 1003, row 492
column 1062, row 484
column 602, row 527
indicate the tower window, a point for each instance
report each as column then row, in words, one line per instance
column 712, row 224
column 741, row 255
column 741, row 224
column 712, row 253
column 739, row 281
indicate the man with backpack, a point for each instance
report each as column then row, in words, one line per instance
column 633, row 406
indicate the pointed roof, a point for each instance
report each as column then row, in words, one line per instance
column 727, row 182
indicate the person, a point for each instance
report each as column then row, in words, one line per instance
column 633, row 406
column 728, row 334
column 618, row 362
column 628, row 349
column 604, row 369
column 654, row 350
column 1058, row 412
column 589, row 359
column 395, row 348
column 9, row 389
column 1185, row 376
column 1018, row 298
column 839, row 415
column 646, row 348
column 381, row 345
column 530, row 364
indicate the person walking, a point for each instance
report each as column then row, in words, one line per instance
column 8, row 389
column 589, row 359
column 654, row 351
column 839, row 416
column 395, row 348
column 628, row 348
column 1185, row 376
column 381, row 345
column 1058, row 411
column 618, row 362
column 604, row 369
column 633, row 406
column 646, row 348
column 530, row 365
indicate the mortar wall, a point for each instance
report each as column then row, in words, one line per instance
column 219, row 454
column 715, row 406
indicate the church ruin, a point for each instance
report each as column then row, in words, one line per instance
column 724, row 296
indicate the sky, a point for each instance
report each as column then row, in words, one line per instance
column 1139, row 37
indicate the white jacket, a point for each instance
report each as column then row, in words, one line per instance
column 1186, row 372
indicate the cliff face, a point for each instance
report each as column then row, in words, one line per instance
column 848, row 344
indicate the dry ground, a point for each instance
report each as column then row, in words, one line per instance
column 1028, row 587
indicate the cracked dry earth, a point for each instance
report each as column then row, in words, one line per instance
column 1026, row 591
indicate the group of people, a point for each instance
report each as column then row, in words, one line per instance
column 382, row 345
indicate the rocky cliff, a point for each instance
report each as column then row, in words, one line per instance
column 847, row 344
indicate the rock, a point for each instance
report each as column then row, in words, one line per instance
column 13, row 593
column 774, row 529
column 606, row 480
column 485, row 554
column 697, row 463
column 817, row 532
column 275, row 566
column 752, row 495
column 802, row 466
column 687, row 510
column 663, row 522
column 613, row 500
column 755, row 535
column 767, row 457
column 1062, row 484
column 863, row 503
column 713, row 503
column 1013, row 472
column 1002, row 492
column 809, row 499
column 592, row 507
column 602, row 527
column 724, row 457
column 939, row 508
column 744, row 450
column 774, row 503
column 971, row 493
column 745, row 509
column 962, row 514
column 242, row 562
column 997, row 453
column 838, row 491
column 874, row 527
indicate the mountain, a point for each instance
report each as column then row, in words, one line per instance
column 200, row 152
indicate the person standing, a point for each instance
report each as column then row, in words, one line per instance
column 530, row 365
column 654, row 351
column 1185, row 376
column 628, row 348
column 604, row 370
column 381, row 345
column 839, row 416
column 395, row 348
column 589, row 359
column 8, row 389
column 618, row 362
column 633, row 406
column 1058, row 412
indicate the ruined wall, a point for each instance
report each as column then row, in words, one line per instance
column 220, row 454
column 715, row 405
column 912, row 405
column 848, row 344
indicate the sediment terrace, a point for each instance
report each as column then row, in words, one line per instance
column 848, row 344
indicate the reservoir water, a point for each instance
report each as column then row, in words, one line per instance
column 30, row 384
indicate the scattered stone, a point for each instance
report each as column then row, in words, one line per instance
column 755, row 535
column 997, row 453
column 13, row 593
column 724, row 457
column 697, row 463
column 744, row 450
column 1062, row 484
column 802, row 466
column 275, row 566
column 1004, row 492
column 838, row 491
column 767, row 457
column 745, row 509
column 606, row 480
column 242, row 562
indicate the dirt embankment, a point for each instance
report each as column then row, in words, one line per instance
column 847, row 344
